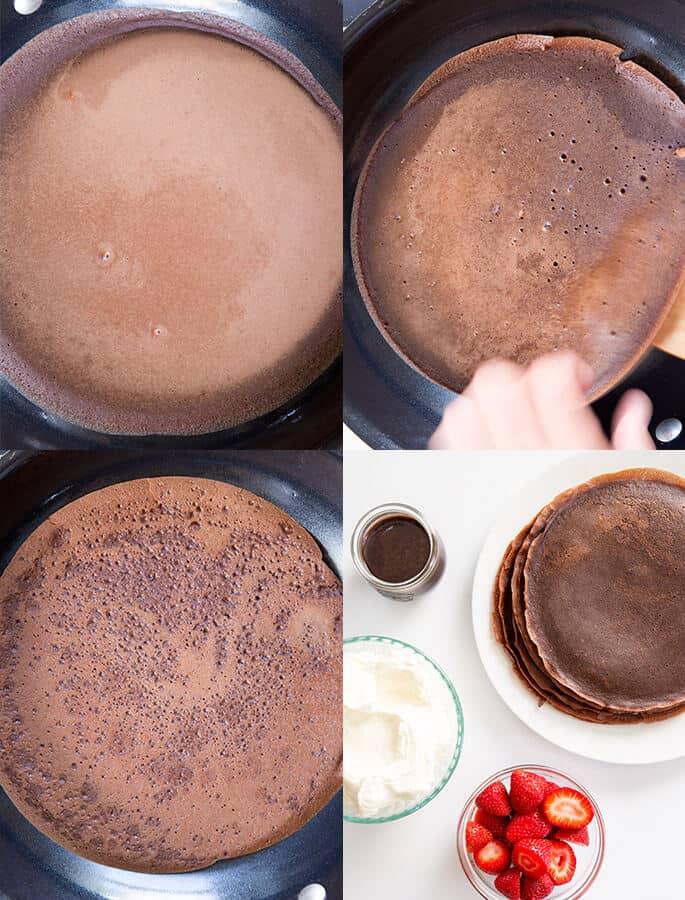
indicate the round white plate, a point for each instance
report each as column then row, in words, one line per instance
column 629, row 744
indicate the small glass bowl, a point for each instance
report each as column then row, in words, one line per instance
column 589, row 859
column 459, row 738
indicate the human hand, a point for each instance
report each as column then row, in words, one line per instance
column 542, row 407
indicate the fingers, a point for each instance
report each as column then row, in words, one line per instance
column 558, row 385
column 462, row 428
column 500, row 390
column 630, row 424
column 543, row 407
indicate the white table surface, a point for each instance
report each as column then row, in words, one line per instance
column 415, row 858
column 351, row 441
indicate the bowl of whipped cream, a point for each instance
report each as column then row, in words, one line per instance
column 403, row 729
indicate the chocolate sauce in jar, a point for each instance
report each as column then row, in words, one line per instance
column 397, row 551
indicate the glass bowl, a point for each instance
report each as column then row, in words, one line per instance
column 589, row 859
column 459, row 736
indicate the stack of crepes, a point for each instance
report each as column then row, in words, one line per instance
column 589, row 601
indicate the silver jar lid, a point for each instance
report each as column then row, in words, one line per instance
column 402, row 590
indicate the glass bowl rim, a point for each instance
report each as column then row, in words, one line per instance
column 464, row 858
column 459, row 740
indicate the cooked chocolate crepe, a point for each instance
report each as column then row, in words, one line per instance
column 528, row 199
column 589, row 602
column 170, row 675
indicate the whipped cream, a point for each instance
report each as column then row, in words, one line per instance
column 399, row 728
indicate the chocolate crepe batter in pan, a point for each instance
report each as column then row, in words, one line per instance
column 170, row 675
column 170, row 235
column 529, row 198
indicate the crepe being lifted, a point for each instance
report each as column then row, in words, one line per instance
column 589, row 602
column 529, row 198
column 170, row 675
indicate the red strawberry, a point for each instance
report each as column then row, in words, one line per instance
column 493, row 857
column 509, row 884
column 563, row 865
column 580, row 836
column 567, row 808
column 550, row 786
column 476, row 836
column 494, row 799
column 532, row 825
column 526, row 790
column 532, row 856
column 536, row 888
column 496, row 825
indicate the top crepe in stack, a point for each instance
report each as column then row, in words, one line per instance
column 589, row 602
column 529, row 198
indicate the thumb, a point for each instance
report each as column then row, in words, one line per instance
column 630, row 423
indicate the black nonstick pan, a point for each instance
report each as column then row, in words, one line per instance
column 310, row 29
column 390, row 47
column 308, row 486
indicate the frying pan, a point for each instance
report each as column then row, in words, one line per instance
column 308, row 486
column 390, row 47
column 311, row 31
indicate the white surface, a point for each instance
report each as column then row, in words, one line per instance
column 351, row 441
column 414, row 858
column 645, row 743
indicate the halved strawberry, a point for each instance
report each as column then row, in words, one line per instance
column 567, row 808
column 494, row 799
column 526, row 791
column 532, row 825
column 493, row 857
column 509, row 884
column 550, row 786
column 475, row 836
column 532, row 856
column 496, row 825
column 563, row 865
column 580, row 836
column 536, row 888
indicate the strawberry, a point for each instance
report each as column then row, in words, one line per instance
column 509, row 884
column 563, row 865
column 496, row 825
column 532, row 825
column 550, row 786
column 567, row 808
column 532, row 856
column 476, row 836
column 580, row 836
column 493, row 857
column 494, row 800
column 526, row 791
column 536, row 888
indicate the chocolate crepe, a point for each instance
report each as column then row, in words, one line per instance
column 584, row 595
column 528, row 199
column 170, row 675
column 171, row 227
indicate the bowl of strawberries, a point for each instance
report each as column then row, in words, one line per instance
column 528, row 833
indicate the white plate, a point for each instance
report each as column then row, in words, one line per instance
column 644, row 743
